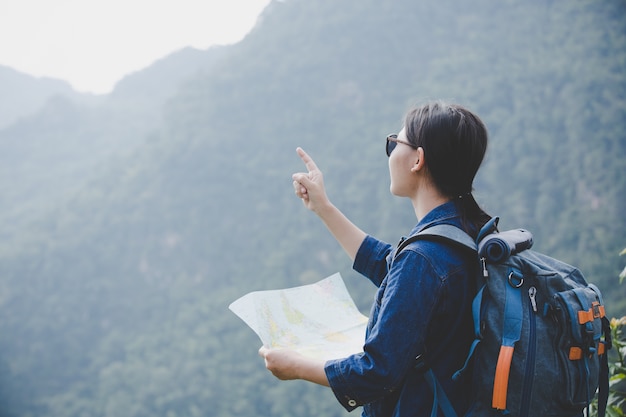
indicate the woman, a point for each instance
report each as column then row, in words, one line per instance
column 423, row 304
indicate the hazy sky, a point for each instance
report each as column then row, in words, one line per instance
column 94, row 43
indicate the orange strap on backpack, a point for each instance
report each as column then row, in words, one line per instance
column 501, row 380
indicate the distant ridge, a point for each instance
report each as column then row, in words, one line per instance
column 22, row 94
column 163, row 77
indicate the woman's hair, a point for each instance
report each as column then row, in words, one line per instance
column 454, row 141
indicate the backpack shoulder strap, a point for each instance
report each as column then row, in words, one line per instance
column 457, row 237
column 442, row 232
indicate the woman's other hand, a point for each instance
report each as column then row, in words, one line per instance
column 288, row 364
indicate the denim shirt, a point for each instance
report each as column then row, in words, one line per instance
column 422, row 307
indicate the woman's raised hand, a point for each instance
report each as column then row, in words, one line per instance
column 309, row 186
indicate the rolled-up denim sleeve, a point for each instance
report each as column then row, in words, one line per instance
column 371, row 259
column 335, row 372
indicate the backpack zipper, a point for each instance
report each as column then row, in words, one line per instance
column 530, row 358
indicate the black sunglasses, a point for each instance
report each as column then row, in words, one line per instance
column 392, row 141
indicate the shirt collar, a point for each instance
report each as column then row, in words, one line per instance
column 439, row 214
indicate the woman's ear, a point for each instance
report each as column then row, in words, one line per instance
column 419, row 160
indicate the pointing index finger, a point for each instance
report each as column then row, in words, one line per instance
column 308, row 161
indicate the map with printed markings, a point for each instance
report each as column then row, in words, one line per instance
column 318, row 320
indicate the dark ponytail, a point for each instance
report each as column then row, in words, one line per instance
column 454, row 142
column 473, row 217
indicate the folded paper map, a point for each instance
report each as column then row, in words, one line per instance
column 318, row 320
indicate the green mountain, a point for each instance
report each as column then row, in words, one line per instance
column 113, row 300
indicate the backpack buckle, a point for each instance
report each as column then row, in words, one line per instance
column 595, row 312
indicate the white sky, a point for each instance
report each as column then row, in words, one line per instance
column 92, row 44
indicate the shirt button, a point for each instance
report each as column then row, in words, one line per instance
column 352, row 403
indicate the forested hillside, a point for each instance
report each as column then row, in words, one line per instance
column 48, row 155
column 113, row 299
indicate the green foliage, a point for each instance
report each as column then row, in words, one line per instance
column 616, row 405
column 125, row 238
column 617, row 382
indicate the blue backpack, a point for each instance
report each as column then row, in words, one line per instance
column 541, row 332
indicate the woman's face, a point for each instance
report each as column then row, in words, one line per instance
column 401, row 162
